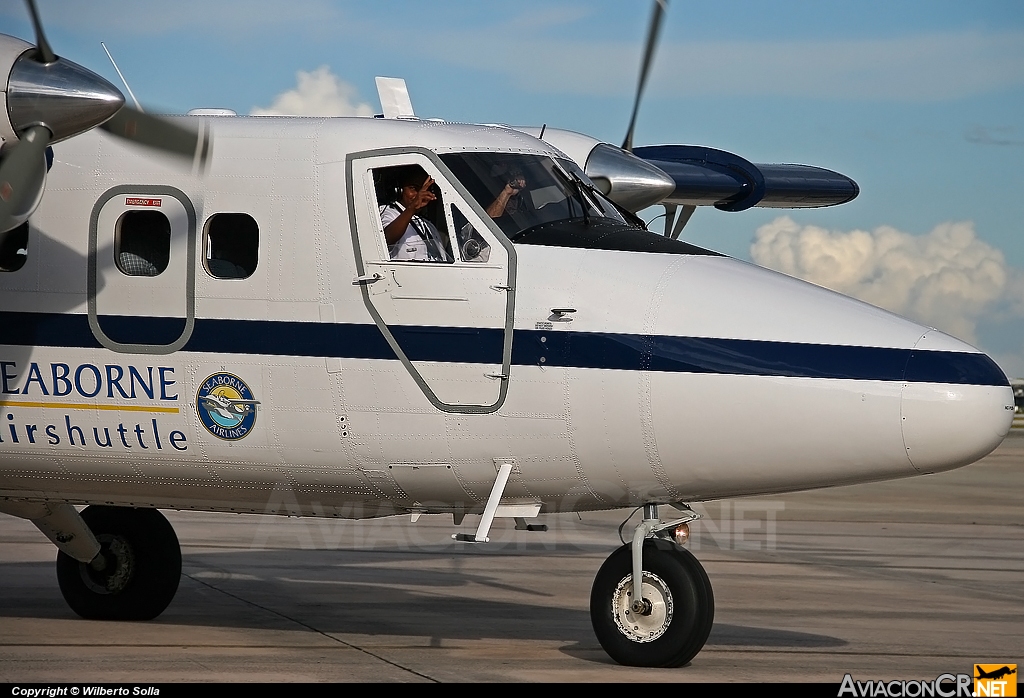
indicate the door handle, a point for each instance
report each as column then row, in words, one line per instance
column 366, row 279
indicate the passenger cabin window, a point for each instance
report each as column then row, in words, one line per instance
column 142, row 243
column 412, row 215
column 14, row 248
column 232, row 245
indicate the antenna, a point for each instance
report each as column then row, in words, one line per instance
column 130, row 93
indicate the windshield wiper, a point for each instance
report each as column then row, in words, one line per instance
column 600, row 199
column 592, row 194
column 573, row 182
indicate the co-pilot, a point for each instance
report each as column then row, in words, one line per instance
column 409, row 235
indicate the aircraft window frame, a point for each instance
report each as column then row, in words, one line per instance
column 240, row 261
column 158, row 254
column 14, row 248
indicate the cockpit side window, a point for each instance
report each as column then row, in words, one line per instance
column 472, row 245
column 422, row 234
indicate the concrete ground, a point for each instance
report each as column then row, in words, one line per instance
column 899, row 580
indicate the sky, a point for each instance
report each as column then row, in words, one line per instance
column 920, row 101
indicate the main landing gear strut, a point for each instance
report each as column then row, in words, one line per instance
column 666, row 624
column 113, row 563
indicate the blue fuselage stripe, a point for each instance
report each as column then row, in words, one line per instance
column 557, row 348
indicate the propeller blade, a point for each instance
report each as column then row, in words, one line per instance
column 44, row 54
column 652, row 43
column 22, row 172
column 161, row 134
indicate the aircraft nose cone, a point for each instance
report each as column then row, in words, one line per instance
column 62, row 96
column 956, row 405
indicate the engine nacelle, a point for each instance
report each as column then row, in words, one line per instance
column 689, row 175
column 709, row 177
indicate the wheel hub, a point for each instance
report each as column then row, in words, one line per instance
column 114, row 577
column 645, row 619
column 642, row 606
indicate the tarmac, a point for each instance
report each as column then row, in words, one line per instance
column 900, row 580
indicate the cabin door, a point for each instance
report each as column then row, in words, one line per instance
column 142, row 269
column 446, row 313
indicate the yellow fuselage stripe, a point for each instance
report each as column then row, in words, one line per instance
column 87, row 406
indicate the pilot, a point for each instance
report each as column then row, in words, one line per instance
column 508, row 201
column 409, row 235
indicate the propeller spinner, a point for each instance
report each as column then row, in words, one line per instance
column 61, row 96
column 49, row 99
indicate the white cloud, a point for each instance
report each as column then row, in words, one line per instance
column 318, row 93
column 947, row 279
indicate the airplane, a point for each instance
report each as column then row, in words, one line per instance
column 228, row 408
column 995, row 674
column 202, row 312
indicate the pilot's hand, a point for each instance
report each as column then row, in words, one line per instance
column 515, row 186
column 423, row 195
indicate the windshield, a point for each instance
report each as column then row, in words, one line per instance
column 538, row 200
column 521, row 192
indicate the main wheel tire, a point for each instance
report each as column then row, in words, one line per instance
column 143, row 566
column 676, row 625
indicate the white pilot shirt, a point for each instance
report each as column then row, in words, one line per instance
column 420, row 242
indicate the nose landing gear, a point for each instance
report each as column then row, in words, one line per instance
column 669, row 622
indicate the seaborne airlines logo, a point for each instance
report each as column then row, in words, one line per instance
column 226, row 406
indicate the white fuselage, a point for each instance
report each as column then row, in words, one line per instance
column 677, row 378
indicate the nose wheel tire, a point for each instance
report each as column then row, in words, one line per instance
column 141, row 570
column 670, row 624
